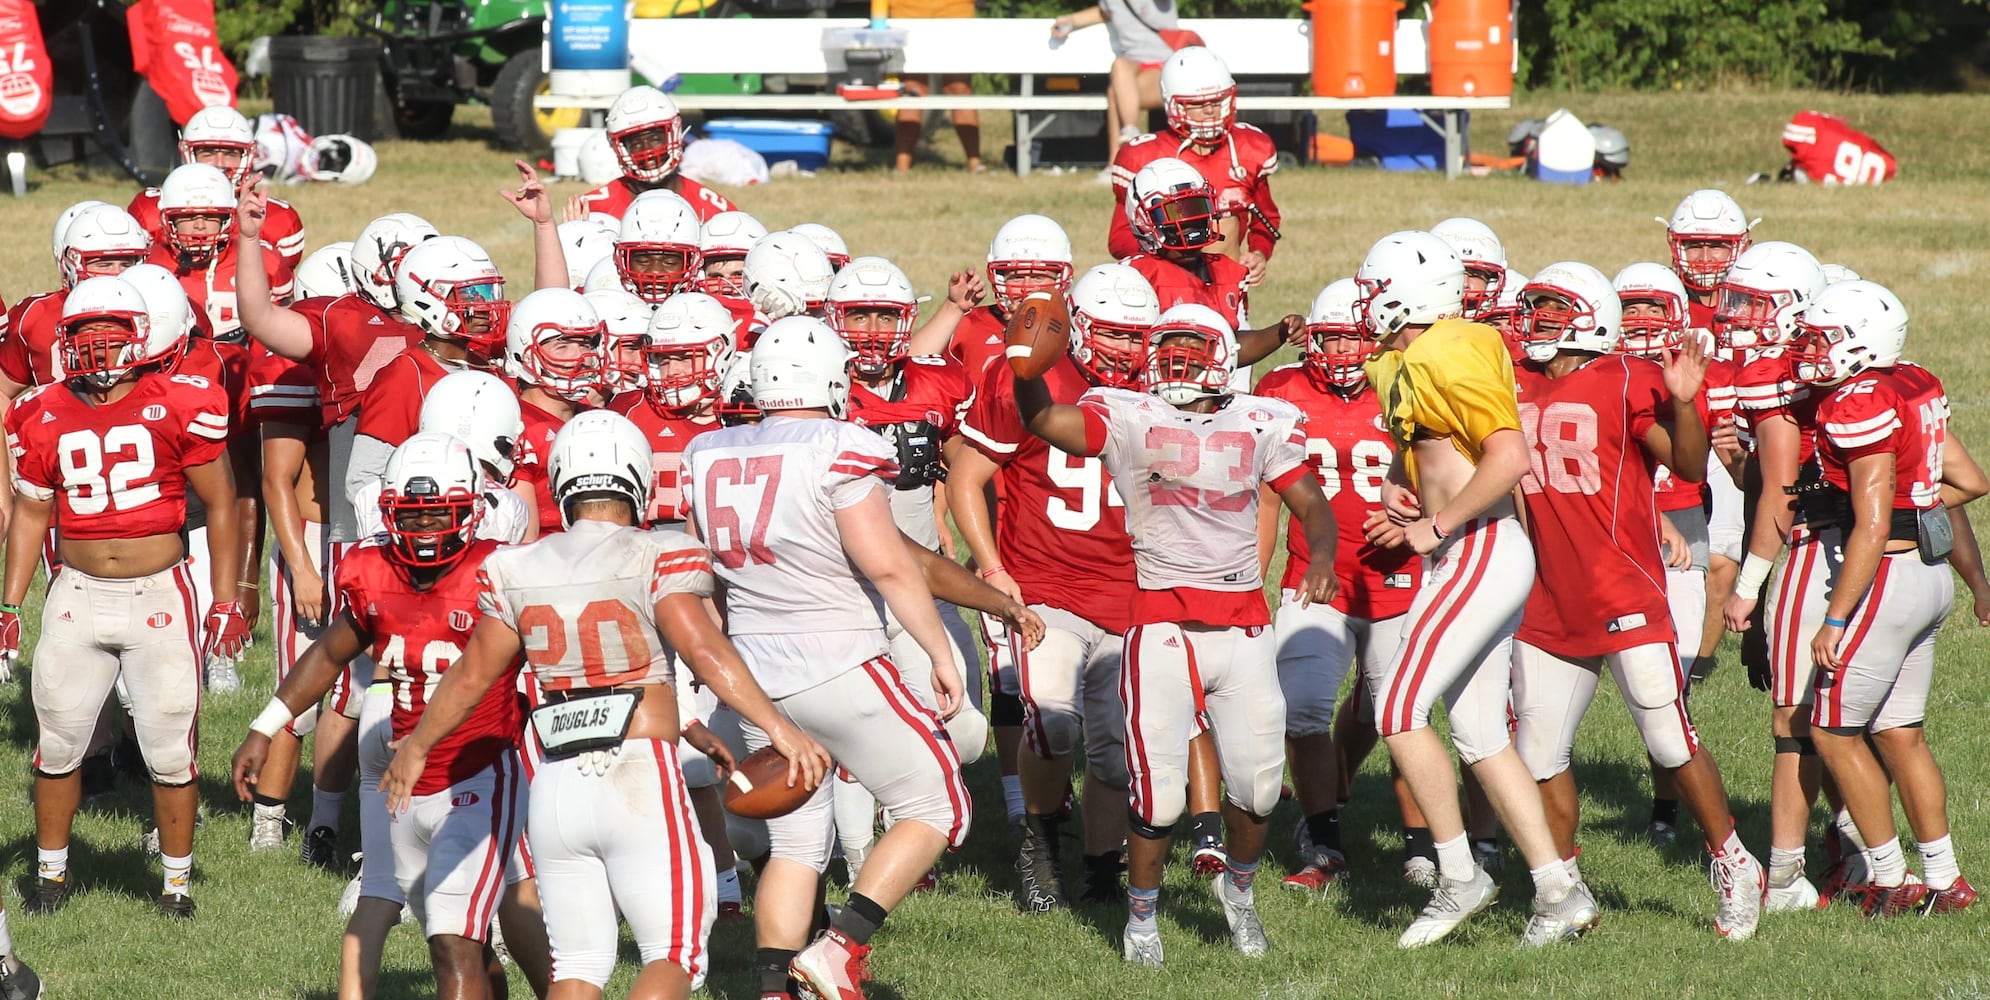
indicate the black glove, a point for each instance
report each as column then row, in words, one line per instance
column 919, row 461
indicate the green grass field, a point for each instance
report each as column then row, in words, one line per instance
column 268, row 926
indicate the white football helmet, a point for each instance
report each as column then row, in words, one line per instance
column 62, row 225
column 343, row 159
column 828, row 239
column 554, row 341
column 1758, row 303
column 1170, row 204
column 1569, row 306
column 1198, row 362
column 1115, row 299
column 220, row 128
column 1409, row 278
column 799, row 363
column 1713, row 225
column 585, row 243
column 872, row 285
column 326, row 272
column 647, row 134
column 105, row 234
column 431, row 473
column 735, row 404
column 1484, row 257
column 658, row 222
column 691, row 327
column 625, row 320
column 600, row 451
column 377, row 253
column 787, row 274
column 726, row 237
column 1646, row 282
column 1197, row 76
column 1336, row 315
column 1853, row 326
column 449, row 288
column 480, row 410
column 167, row 307
column 1030, row 253
column 195, row 190
column 1835, row 273
column 605, row 276
column 119, row 337
column 597, row 160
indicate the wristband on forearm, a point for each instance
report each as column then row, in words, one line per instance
column 274, row 717
column 1754, row 573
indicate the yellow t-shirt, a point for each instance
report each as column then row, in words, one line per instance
column 1454, row 381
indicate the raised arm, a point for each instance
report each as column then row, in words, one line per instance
column 549, row 258
column 283, row 330
column 1064, row 427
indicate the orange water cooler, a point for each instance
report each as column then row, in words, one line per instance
column 1354, row 47
column 1471, row 48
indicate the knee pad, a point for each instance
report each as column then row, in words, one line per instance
column 1142, row 828
column 1668, row 734
column 1471, row 752
column 1005, row 709
column 171, row 769
column 1800, row 745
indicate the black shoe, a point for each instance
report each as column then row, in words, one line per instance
column 18, row 982
column 1102, row 872
column 1036, row 864
column 321, row 848
column 49, row 894
column 177, row 905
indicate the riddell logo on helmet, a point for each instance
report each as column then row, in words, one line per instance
column 782, row 404
column 159, row 619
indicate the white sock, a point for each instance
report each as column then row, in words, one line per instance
column 1454, row 859
column 729, row 885
column 1889, row 866
column 1938, row 867
column 1574, row 870
column 1553, row 881
column 1012, row 796
column 179, row 874
column 1785, row 864
column 1848, row 829
column 325, row 808
column 52, row 865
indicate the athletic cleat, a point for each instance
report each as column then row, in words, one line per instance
column 1141, row 947
column 266, row 832
column 1246, row 930
column 1209, row 861
column 321, row 848
column 732, row 912
column 1742, row 883
column 150, row 842
column 222, row 677
column 1036, row 865
column 1847, row 878
column 1799, row 895
column 18, row 982
column 1894, row 900
column 349, row 898
column 832, row 968
column 1451, row 903
column 1420, row 871
column 930, row 882
column 1323, row 871
column 49, row 894
column 176, row 905
column 1662, row 833
column 1954, row 899
column 1565, row 919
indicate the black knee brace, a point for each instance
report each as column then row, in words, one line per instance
column 1140, row 827
column 1799, row 745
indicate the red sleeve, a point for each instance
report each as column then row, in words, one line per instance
column 390, row 409
column 704, row 201
column 352, row 588
column 282, row 391
column 14, row 361
column 1098, row 423
column 204, row 417
column 30, row 458
column 1859, row 419
column 992, row 424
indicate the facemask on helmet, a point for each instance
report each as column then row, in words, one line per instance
column 1330, row 326
column 1191, row 353
column 430, row 501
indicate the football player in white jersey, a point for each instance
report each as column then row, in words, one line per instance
column 610, row 820
column 1188, row 455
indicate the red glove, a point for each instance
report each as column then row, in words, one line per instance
column 227, row 630
column 10, row 643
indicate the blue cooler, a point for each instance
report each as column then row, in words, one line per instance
column 1399, row 138
column 804, row 142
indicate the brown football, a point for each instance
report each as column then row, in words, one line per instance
column 1039, row 333
column 759, row 787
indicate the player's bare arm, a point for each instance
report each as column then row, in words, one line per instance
column 1963, row 481
column 875, row 545
column 684, row 623
column 1872, row 488
column 1267, row 528
column 279, row 328
column 964, row 291
column 490, row 655
column 1777, row 441
column 1254, row 346
column 549, row 258
column 1316, row 517
column 968, row 474
column 953, row 583
column 307, row 683
column 1682, row 444
column 214, row 483
column 285, row 451
column 1060, row 425
column 24, row 536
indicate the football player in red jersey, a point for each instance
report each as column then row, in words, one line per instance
column 98, row 240
column 1348, row 450
column 686, row 350
column 647, row 134
column 1761, row 299
column 115, row 448
column 1891, row 467
column 411, row 604
column 1030, row 253
column 1707, row 233
column 625, row 324
column 1203, row 132
column 1057, row 541
column 200, row 244
column 1599, row 599
column 554, row 354
column 221, row 138
column 1199, row 642
column 1826, row 149
column 724, row 240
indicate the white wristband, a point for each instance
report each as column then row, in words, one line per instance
column 274, row 717
column 1754, row 573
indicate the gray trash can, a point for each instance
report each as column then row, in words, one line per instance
column 328, row 84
